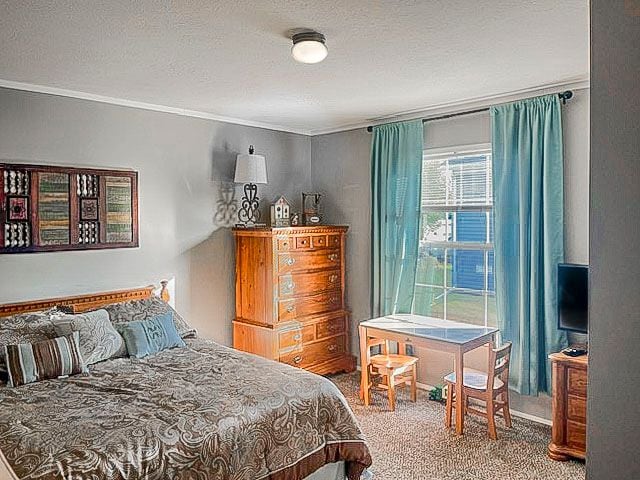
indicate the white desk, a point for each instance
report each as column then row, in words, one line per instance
column 434, row 333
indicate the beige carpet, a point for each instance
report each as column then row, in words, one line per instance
column 412, row 443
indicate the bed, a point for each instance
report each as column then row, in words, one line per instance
column 205, row 411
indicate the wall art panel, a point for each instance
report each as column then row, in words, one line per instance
column 48, row 208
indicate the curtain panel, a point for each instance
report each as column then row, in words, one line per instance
column 529, row 234
column 396, row 177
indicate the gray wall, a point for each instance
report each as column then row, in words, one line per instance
column 340, row 169
column 181, row 162
column 613, row 432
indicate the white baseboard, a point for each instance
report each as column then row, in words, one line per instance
column 515, row 413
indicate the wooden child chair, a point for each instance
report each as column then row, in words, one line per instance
column 486, row 387
column 394, row 370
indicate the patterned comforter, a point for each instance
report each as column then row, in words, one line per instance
column 201, row 412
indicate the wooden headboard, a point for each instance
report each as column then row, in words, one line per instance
column 83, row 303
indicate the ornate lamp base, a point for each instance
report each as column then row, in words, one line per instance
column 249, row 212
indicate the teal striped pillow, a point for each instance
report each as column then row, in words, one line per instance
column 144, row 337
column 33, row 362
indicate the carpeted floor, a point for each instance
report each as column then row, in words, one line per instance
column 412, row 443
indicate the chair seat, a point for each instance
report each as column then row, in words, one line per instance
column 474, row 379
column 392, row 360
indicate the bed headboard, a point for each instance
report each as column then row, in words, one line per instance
column 82, row 303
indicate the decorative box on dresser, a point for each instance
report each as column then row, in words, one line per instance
column 290, row 303
column 569, row 404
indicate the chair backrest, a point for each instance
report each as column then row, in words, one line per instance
column 499, row 365
column 377, row 342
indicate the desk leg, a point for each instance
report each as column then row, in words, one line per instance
column 364, row 365
column 459, row 394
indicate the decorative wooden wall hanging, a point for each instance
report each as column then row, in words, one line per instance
column 44, row 208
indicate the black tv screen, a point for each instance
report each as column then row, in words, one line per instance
column 573, row 297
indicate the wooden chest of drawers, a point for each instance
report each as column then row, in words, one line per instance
column 569, row 430
column 290, row 297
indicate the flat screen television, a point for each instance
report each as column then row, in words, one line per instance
column 573, row 297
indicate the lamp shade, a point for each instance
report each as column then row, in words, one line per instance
column 250, row 168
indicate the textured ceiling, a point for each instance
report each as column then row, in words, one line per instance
column 232, row 58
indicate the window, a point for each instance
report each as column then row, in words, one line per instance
column 455, row 280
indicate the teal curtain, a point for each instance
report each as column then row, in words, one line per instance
column 529, row 231
column 396, row 171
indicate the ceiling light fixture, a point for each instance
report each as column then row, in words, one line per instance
column 309, row 47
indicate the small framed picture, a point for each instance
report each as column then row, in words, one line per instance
column 18, row 208
column 88, row 209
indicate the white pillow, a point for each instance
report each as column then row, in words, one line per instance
column 99, row 340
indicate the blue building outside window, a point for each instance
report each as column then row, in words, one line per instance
column 469, row 265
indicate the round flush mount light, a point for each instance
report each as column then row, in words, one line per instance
column 309, row 47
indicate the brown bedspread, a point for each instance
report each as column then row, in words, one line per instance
column 201, row 412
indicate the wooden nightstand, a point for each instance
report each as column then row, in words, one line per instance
column 569, row 431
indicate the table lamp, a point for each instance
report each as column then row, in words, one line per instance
column 251, row 169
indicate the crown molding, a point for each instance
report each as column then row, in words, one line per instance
column 461, row 105
column 442, row 108
column 123, row 102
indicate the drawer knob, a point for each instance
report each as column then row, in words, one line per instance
column 290, row 286
column 297, row 337
column 297, row 359
column 333, row 257
column 333, row 278
column 333, row 299
column 291, row 308
column 332, row 348
column 290, row 261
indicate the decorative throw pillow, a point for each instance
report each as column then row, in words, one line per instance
column 99, row 340
column 145, row 309
column 24, row 328
column 33, row 362
column 144, row 337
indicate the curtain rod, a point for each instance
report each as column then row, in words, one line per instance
column 564, row 96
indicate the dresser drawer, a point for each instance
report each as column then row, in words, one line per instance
column 313, row 304
column 325, row 349
column 316, row 352
column 318, row 241
column 308, row 283
column 333, row 326
column 296, row 359
column 577, row 381
column 294, row 338
column 576, row 435
column 333, row 241
column 285, row 244
column 297, row 261
column 303, row 242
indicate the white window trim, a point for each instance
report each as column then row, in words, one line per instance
column 458, row 150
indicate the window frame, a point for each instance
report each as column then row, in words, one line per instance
column 486, row 247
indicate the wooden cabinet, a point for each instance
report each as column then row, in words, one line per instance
column 569, row 430
column 290, row 296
